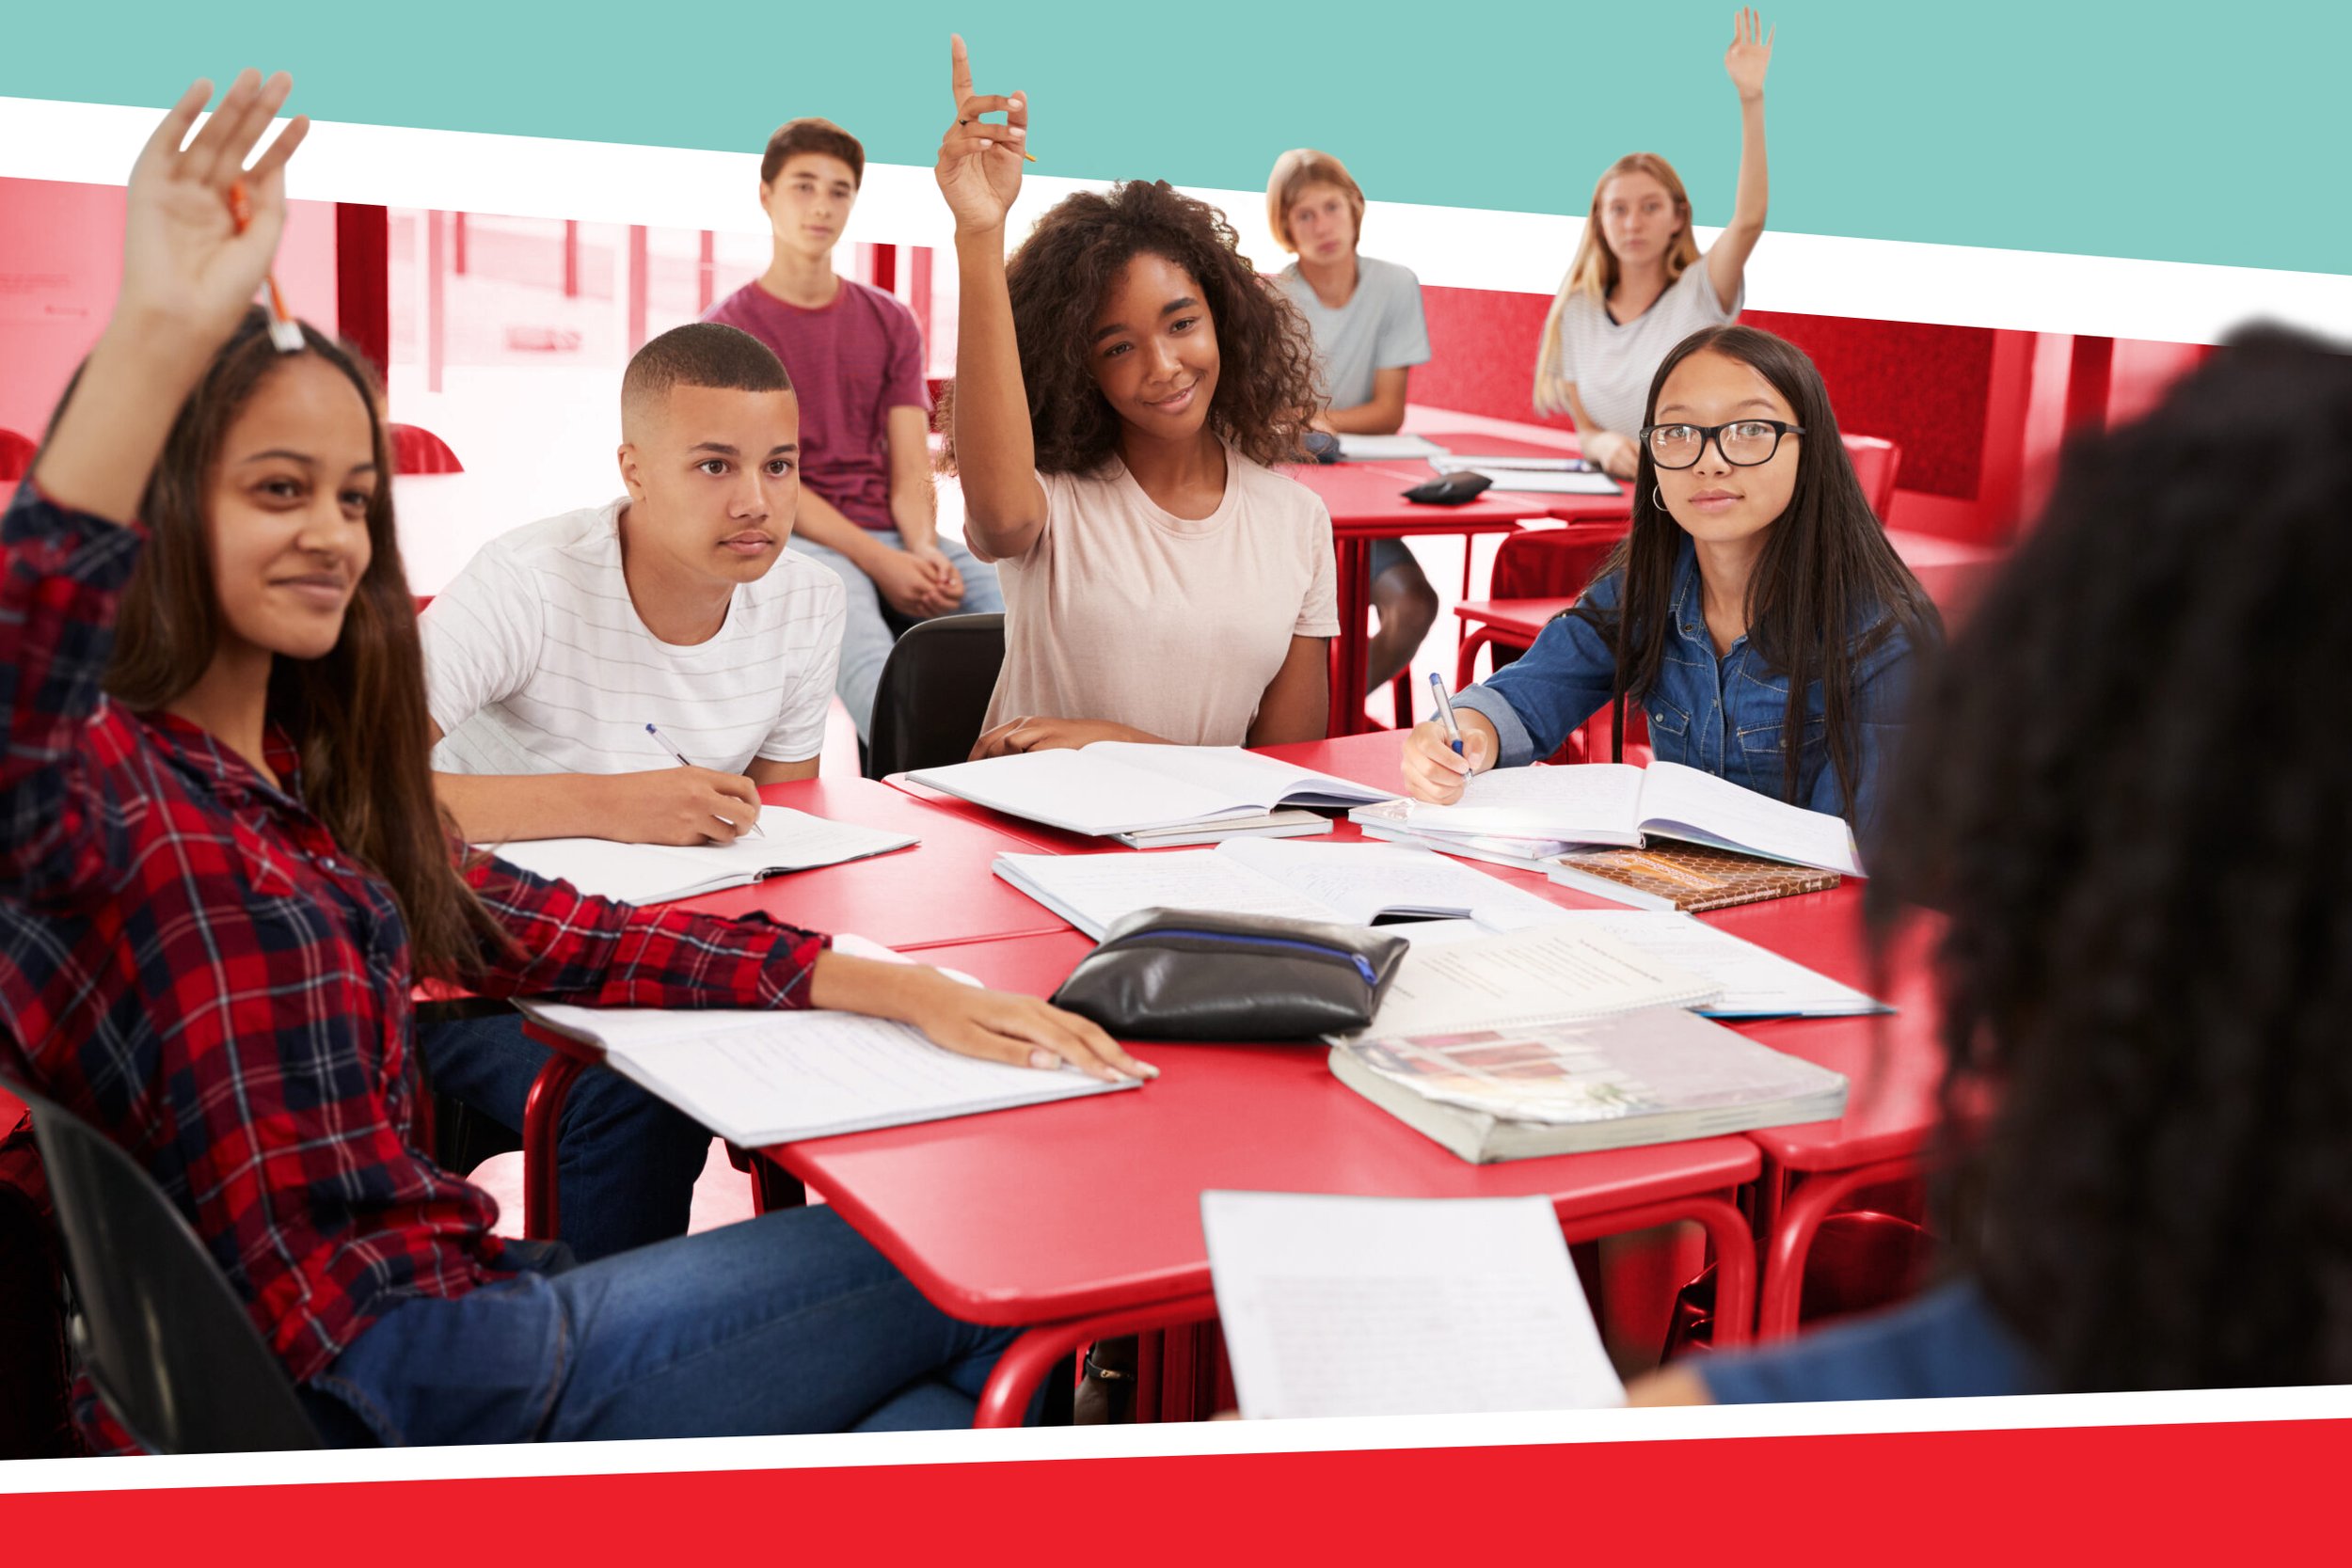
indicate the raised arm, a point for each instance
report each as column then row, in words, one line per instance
column 188, row 276
column 1746, row 60
column 979, row 174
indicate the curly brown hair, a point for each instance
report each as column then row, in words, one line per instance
column 1265, row 385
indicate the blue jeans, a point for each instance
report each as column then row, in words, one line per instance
column 626, row 1162
column 788, row 1322
column 866, row 637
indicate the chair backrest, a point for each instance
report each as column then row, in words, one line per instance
column 935, row 692
column 418, row 451
column 16, row 455
column 160, row 1333
column 1875, row 461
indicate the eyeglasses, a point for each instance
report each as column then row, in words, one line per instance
column 1745, row 443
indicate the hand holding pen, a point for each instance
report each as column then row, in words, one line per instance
column 750, row 826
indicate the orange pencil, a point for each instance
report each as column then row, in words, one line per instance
column 283, row 329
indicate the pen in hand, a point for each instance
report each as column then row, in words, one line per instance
column 1445, row 714
column 663, row 741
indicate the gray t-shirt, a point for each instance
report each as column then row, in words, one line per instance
column 1379, row 329
column 1610, row 363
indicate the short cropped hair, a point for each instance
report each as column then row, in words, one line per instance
column 812, row 134
column 702, row 354
column 1294, row 171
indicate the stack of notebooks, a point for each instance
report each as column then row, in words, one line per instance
column 1149, row 795
column 1591, row 827
column 1565, row 1038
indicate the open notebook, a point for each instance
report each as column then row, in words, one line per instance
column 1352, row 885
column 1605, row 802
column 657, row 873
column 1116, row 787
column 1401, row 1306
column 762, row 1078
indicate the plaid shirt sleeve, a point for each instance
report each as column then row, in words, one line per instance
column 61, row 572
column 571, row 947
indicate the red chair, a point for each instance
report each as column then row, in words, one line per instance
column 16, row 455
column 418, row 451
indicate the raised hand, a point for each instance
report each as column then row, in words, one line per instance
column 185, row 268
column 979, row 162
column 1750, row 55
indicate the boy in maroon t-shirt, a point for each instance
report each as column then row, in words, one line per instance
column 867, row 508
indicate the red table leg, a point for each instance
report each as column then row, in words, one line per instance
column 1351, row 649
column 1028, row 1359
column 542, row 1113
column 1790, row 1240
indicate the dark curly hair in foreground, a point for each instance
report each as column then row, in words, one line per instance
column 1265, row 385
column 2130, row 791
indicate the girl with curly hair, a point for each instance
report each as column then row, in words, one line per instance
column 2146, row 951
column 1121, row 386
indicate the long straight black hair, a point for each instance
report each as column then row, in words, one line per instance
column 1827, row 591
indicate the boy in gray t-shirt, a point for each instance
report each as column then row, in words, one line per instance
column 1369, row 334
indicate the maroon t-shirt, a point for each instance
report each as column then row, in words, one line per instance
column 851, row 363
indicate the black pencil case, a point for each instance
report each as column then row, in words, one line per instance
column 1189, row 974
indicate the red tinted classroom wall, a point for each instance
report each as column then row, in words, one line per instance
column 62, row 260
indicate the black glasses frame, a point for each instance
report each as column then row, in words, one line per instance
column 1781, row 429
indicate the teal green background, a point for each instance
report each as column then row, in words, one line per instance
column 2204, row 133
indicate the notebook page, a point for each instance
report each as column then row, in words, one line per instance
column 1573, row 803
column 652, row 873
column 1545, row 974
column 1095, row 892
column 1082, row 791
column 1401, row 1306
column 1387, row 448
column 1361, row 881
column 1757, row 981
column 1544, row 481
column 1675, row 796
column 1237, row 776
column 759, row 1078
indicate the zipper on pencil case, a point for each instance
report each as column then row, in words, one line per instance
column 1363, row 965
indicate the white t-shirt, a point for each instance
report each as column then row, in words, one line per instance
column 1379, row 329
column 535, row 662
column 1125, row 612
column 1610, row 363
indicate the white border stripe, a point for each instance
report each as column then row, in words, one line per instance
column 2195, row 1408
column 1457, row 247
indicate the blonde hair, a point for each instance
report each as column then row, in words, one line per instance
column 1294, row 171
column 1594, row 272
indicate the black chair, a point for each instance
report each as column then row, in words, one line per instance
column 935, row 692
column 160, row 1333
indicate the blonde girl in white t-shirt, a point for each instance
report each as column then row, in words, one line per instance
column 1121, row 386
column 1633, row 292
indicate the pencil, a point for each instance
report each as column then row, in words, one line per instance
column 283, row 329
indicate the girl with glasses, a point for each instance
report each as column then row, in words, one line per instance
column 1755, row 611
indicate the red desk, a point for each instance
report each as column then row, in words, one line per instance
column 1366, row 501
column 1083, row 1219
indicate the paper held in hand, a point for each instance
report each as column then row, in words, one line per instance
column 657, row 873
column 1401, row 1306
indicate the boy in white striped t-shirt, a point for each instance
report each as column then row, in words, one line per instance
column 675, row 606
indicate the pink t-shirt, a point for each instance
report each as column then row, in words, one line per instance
column 851, row 363
column 1122, row 611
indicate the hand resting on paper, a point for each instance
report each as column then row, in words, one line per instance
column 1432, row 771
column 1046, row 735
column 992, row 1025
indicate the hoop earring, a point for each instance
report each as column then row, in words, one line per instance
column 1659, row 499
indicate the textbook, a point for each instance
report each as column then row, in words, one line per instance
column 1661, row 1075
column 1342, row 1305
column 1273, row 824
column 657, row 873
column 1117, row 787
column 1690, row 877
column 758, row 1078
column 1353, row 884
column 1616, row 803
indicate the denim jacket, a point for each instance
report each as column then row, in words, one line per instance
column 1721, row 715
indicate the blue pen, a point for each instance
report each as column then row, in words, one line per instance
column 1445, row 714
column 663, row 741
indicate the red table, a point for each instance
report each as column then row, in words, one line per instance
column 1082, row 1219
column 1367, row 502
